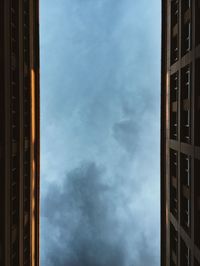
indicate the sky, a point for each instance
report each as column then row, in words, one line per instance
column 100, row 122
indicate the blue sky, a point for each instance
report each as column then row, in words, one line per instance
column 100, row 100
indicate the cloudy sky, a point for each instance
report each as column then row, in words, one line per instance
column 100, row 90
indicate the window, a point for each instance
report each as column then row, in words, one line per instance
column 14, row 250
column 196, row 263
column 174, row 30
column 197, row 202
column 173, row 182
column 185, row 166
column 185, row 254
column 173, row 246
column 186, row 4
column 197, row 102
column 174, row 49
column 186, row 170
column 174, row 12
column 186, row 39
column 174, row 106
column 197, row 22
column 185, row 104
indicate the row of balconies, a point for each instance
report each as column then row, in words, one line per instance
column 181, row 183
column 185, row 254
column 186, row 30
column 183, row 85
column 183, row 7
column 185, row 105
column 185, row 186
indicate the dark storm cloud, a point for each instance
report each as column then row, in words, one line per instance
column 85, row 226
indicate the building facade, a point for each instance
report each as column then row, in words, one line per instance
column 19, row 133
column 180, row 133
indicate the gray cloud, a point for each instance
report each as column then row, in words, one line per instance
column 85, row 223
column 126, row 132
column 100, row 85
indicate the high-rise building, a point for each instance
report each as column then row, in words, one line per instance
column 180, row 134
column 19, row 133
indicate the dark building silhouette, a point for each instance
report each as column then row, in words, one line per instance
column 19, row 133
column 180, row 135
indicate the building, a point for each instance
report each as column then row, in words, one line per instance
column 180, row 133
column 19, row 133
